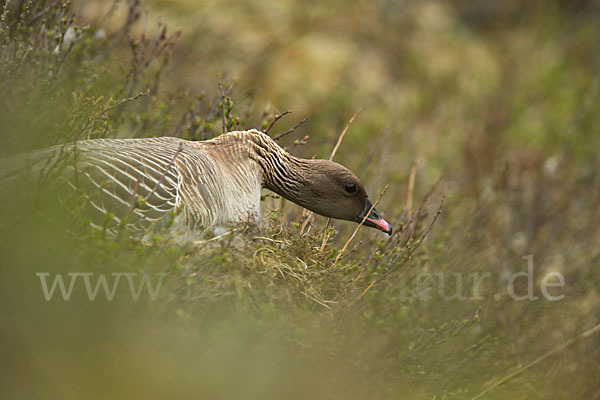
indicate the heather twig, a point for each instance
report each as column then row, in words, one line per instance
column 292, row 129
column 275, row 119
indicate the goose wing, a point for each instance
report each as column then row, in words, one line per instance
column 143, row 183
column 129, row 181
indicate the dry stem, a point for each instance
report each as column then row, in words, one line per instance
column 277, row 118
column 341, row 137
column 411, row 188
column 291, row 129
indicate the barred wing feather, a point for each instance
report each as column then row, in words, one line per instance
column 138, row 183
column 127, row 181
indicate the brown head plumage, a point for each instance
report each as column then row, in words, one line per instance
column 322, row 186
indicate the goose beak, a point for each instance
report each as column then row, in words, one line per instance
column 374, row 220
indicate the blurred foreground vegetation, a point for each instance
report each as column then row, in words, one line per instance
column 489, row 105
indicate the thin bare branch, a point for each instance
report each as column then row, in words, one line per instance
column 298, row 142
column 291, row 130
column 325, row 235
column 223, row 105
column 411, row 188
column 307, row 217
column 367, row 289
column 341, row 137
column 134, row 197
column 277, row 118
column 352, row 250
column 364, row 267
column 198, row 242
column 435, row 217
column 126, row 100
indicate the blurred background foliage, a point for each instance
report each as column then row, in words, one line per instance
column 492, row 103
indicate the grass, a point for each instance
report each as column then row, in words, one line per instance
column 492, row 111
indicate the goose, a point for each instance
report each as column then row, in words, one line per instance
column 201, row 184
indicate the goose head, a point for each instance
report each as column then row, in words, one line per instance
column 321, row 186
column 332, row 190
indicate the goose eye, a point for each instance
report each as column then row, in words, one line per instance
column 350, row 188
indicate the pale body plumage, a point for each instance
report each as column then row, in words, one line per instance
column 197, row 186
